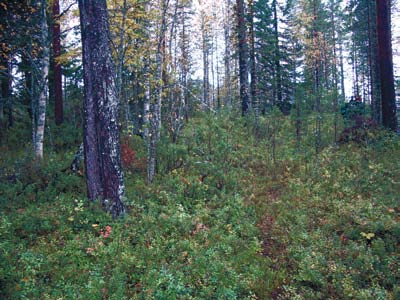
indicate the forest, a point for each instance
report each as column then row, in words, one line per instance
column 199, row 149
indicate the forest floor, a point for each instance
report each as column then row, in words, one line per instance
column 234, row 213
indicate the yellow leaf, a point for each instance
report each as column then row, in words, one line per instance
column 368, row 236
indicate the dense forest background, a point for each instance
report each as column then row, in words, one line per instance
column 239, row 149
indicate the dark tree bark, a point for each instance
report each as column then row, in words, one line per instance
column 6, row 91
column 317, row 78
column 277, row 58
column 101, row 133
column 57, row 78
column 243, row 56
column 385, row 55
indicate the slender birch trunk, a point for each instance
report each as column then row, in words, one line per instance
column 43, row 62
column 253, row 65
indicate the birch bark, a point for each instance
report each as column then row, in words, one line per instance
column 43, row 62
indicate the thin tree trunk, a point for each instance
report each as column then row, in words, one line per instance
column 243, row 56
column 43, row 62
column 146, row 103
column 227, row 57
column 253, row 68
column 155, row 107
column 206, row 79
column 152, row 146
column 57, row 74
column 101, row 132
column 121, row 62
column 6, row 92
column 278, row 72
column 147, row 92
column 335, row 75
column 212, row 73
column 370, row 62
column 317, row 74
column 185, row 70
column 343, row 91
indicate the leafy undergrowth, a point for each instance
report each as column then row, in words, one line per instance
column 342, row 225
column 228, row 217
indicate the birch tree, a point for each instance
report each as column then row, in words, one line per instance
column 42, row 61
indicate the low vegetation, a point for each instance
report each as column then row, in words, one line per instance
column 236, row 211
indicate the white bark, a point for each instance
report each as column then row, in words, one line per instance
column 43, row 62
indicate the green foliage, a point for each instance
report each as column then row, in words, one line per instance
column 353, row 109
column 342, row 227
column 235, row 212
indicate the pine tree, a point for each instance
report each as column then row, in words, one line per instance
column 243, row 56
column 383, row 21
column 101, row 133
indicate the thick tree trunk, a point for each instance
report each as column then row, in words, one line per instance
column 43, row 62
column 243, row 56
column 101, row 132
column 383, row 22
column 58, row 95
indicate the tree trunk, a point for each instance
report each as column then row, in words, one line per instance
column 185, row 70
column 101, row 133
column 243, row 56
column 43, row 62
column 57, row 74
column 253, row 68
column 206, row 77
column 383, row 22
column 277, row 58
column 6, row 92
column 227, row 57
column 317, row 83
column 155, row 106
column 335, row 74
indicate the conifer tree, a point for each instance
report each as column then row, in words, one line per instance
column 383, row 21
column 101, row 133
column 243, row 56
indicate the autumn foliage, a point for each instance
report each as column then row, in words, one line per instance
column 128, row 156
column 131, row 161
